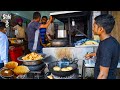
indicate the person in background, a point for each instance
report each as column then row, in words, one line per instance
column 33, row 26
column 43, row 36
column 44, row 20
column 4, row 44
column 108, row 50
column 19, row 29
column 51, row 30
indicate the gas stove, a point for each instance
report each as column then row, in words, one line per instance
column 35, row 75
column 73, row 76
column 36, row 72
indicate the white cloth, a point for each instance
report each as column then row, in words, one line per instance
column 3, row 48
column 16, row 32
column 19, row 31
column 36, row 40
column 50, row 29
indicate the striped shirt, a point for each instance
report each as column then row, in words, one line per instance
column 43, row 34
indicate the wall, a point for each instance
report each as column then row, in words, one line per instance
column 116, row 30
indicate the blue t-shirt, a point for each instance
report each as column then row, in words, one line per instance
column 32, row 27
column 107, row 56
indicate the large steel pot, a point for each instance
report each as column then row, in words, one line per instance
column 62, row 34
column 59, row 42
column 31, row 62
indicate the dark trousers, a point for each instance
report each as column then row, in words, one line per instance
column 1, row 66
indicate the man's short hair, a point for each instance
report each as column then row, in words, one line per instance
column 36, row 15
column 45, row 17
column 2, row 25
column 106, row 21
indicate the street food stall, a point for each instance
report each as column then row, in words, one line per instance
column 77, row 48
column 75, row 39
column 77, row 25
column 64, row 57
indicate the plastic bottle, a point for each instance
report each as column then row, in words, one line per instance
column 73, row 22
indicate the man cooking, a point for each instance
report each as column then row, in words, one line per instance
column 108, row 49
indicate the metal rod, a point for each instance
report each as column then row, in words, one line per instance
column 80, row 32
column 69, row 31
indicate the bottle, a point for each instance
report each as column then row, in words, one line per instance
column 73, row 22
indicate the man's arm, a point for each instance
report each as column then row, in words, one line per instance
column 103, row 72
column 88, row 56
column 47, row 24
column 4, row 51
column 105, row 57
column 15, row 27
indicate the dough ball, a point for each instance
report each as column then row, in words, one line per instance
column 70, row 68
column 56, row 68
column 64, row 69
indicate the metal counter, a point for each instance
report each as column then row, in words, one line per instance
column 77, row 52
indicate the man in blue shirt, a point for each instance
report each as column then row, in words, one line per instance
column 108, row 49
column 43, row 35
column 3, row 45
column 33, row 32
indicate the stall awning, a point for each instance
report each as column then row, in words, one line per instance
column 64, row 15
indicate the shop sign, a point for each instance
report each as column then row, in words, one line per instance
column 7, row 17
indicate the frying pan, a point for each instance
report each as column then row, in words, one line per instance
column 62, row 73
column 59, row 42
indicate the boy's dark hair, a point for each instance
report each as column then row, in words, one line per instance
column 36, row 15
column 2, row 25
column 44, row 17
column 106, row 21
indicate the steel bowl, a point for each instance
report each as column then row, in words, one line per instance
column 31, row 62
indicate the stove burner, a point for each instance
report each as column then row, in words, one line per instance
column 73, row 76
column 36, row 67
column 34, row 74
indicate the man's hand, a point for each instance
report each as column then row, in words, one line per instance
column 47, row 24
column 5, row 62
column 51, row 18
column 90, row 55
column 44, row 45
